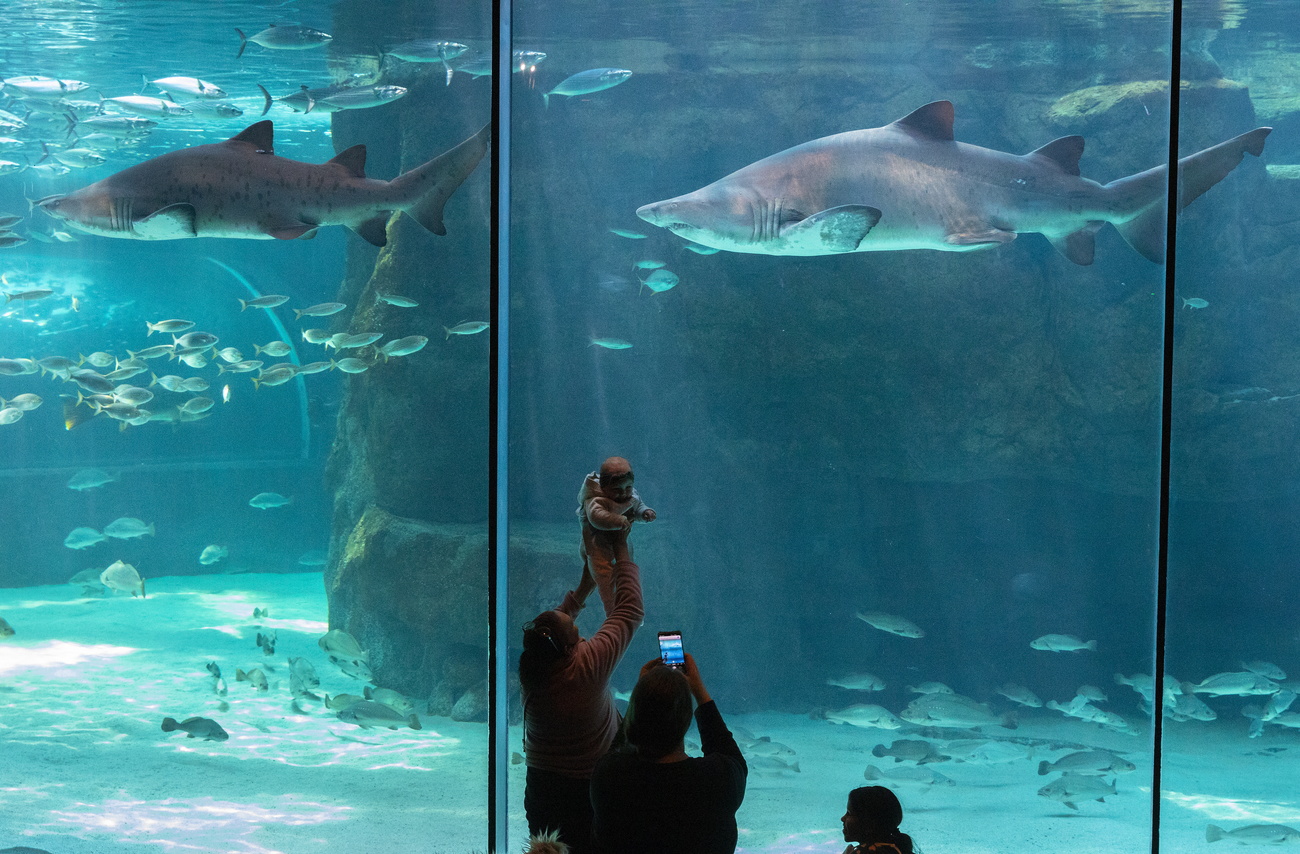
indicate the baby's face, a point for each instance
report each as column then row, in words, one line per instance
column 621, row 489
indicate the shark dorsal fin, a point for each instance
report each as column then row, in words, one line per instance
column 1064, row 152
column 353, row 160
column 933, row 121
column 261, row 136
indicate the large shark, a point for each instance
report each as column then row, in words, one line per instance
column 909, row 185
column 239, row 188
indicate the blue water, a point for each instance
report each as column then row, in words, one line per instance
column 969, row 440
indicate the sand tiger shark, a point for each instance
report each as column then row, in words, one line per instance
column 910, row 185
column 240, row 188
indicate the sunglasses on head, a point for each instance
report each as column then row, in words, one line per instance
column 531, row 626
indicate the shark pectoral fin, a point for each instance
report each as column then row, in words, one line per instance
column 374, row 230
column 986, row 239
column 1079, row 246
column 294, row 231
column 838, row 229
column 169, row 223
column 1146, row 232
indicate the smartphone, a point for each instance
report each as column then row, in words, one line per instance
column 670, row 649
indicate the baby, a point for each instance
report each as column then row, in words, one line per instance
column 607, row 503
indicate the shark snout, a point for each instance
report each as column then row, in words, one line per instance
column 49, row 204
column 658, row 213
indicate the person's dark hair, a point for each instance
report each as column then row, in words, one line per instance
column 543, row 649
column 658, row 713
column 879, row 814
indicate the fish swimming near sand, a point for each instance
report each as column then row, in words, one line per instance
column 204, row 728
column 368, row 713
column 240, row 188
column 6, row 630
column 1251, row 834
column 911, row 185
column 254, row 677
column 1070, row 788
column 123, row 576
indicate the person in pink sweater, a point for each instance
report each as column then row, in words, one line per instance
column 607, row 506
column 570, row 719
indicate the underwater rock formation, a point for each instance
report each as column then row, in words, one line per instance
column 413, row 596
column 409, row 465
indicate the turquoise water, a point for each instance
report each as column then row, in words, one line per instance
column 967, row 440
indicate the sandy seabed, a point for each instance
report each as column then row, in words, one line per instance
column 86, row 769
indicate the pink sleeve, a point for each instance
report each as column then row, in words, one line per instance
column 603, row 651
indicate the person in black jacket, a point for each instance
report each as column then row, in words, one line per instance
column 872, row 820
column 650, row 797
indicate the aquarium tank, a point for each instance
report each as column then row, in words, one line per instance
column 953, row 345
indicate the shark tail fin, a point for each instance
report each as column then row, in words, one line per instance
column 434, row 182
column 1145, row 231
column 1200, row 171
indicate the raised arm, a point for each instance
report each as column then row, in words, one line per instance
column 603, row 651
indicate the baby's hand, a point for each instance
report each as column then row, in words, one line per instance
column 648, row 515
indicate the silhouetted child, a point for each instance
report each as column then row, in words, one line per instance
column 607, row 503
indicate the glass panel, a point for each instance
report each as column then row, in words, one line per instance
column 838, row 444
column 1231, row 643
column 190, row 507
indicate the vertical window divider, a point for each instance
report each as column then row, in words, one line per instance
column 1166, row 420
column 498, row 432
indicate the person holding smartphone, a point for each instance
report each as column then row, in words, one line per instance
column 651, row 797
column 570, row 719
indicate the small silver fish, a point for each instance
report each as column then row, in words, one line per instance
column 324, row 309
column 611, row 343
column 169, row 326
column 350, row 365
column 272, row 348
column 268, row 500
column 395, row 300
column 284, row 37
column 268, row 301
column 469, row 327
column 403, row 346
column 586, row 82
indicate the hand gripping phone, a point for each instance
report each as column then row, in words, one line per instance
column 670, row 649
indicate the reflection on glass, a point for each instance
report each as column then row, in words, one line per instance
column 242, row 595
column 908, row 499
